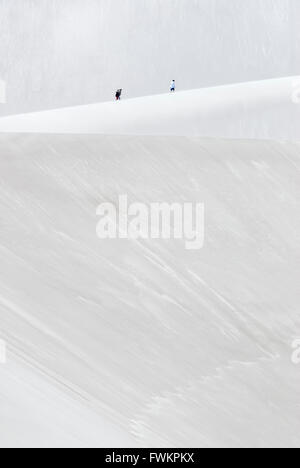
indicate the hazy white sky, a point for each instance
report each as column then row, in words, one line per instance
column 55, row 53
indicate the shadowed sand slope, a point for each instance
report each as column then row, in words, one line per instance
column 172, row 347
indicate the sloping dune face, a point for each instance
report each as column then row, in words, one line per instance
column 173, row 347
column 75, row 52
column 258, row 110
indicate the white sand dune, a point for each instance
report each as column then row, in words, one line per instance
column 264, row 110
column 144, row 342
column 38, row 411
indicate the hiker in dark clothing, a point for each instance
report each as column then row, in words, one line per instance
column 118, row 95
